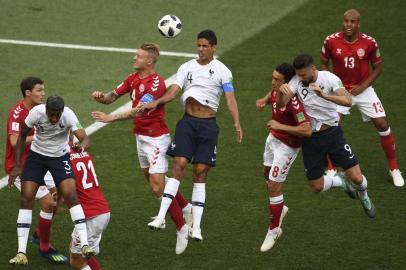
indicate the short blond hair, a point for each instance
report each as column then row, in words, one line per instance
column 152, row 49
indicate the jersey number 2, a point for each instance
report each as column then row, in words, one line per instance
column 81, row 166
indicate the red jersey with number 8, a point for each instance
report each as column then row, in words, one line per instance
column 87, row 185
column 351, row 60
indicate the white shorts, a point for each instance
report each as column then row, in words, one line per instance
column 95, row 227
column 368, row 103
column 42, row 190
column 279, row 157
column 152, row 152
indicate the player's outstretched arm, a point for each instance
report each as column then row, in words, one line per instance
column 261, row 103
column 341, row 97
column 302, row 130
column 108, row 118
column 84, row 141
column 20, row 145
column 167, row 97
column 233, row 108
column 107, row 98
column 285, row 94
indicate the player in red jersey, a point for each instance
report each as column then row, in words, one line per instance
column 95, row 207
column 352, row 53
column 281, row 148
column 33, row 92
column 150, row 130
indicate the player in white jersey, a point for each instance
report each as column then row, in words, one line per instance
column 321, row 92
column 48, row 152
column 203, row 80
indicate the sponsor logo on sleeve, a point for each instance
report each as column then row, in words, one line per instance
column 300, row 117
column 15, row 126
column 340, row 83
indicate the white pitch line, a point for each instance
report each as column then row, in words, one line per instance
column 86, row 47
column 98, row 125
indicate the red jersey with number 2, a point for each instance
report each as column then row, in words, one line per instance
column 149, row 124
column 351, row 60
column 293, row 114
column 87, row 185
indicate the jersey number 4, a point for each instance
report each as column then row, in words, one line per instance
column 81, row 166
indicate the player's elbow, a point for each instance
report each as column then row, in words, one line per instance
column 307, row 130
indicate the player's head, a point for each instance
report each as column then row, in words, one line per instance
column 146, row 56
column 206, row 45
column 283, row 73
column 32, row 89
column 304, row 67
column 54, row 108
column 351, row 22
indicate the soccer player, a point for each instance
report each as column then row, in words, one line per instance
column 48, row 152
column 32, row 89
column 203, row 80
column 95, row 207
column 150, row 130
column 281, row 148
column 321, row 92
column 351, row 53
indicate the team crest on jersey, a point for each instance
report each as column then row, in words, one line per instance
column 338, row 51
column 141, row 88
column 361, row 52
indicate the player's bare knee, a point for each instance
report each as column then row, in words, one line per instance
column 274, row 188
column 157, row 190
column 178, row 172
column 26, row 202
column 316, row 186
column 381, row 124
column 47, row 203
column 266, row 173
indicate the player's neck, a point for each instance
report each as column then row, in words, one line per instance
column 204, row 61
column 145, row 73
column 29, row 104
column 352, row 38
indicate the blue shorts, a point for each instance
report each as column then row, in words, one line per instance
column 329, row 142
column 37, row 165
column 196, row 140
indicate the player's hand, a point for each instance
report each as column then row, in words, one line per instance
column 98, row 96
column 316, row 89
column 13, row 175
column 77, row 147
column 239, row 133
column 150, row 107
column 260, row 103
column 285, row 89
column 273, row 124
column 355, row 90
column 101, row 117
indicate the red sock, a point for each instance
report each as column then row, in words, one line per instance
column 176, row 214
column 44, row 227
column 181, row 200
column 38, row 232
column 93, row 263
column 388, row 145
column 275, row 211
column 330, row 165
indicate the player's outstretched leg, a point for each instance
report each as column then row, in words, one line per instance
column 186, row 208
column 277, row 211
column 388, row 146
column 198, row 201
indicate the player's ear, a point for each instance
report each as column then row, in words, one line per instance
column 27, row 92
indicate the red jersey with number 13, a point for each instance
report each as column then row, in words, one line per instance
column 87, row 186
column 351, row 60
column 293, row 114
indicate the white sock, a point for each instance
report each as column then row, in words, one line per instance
column 187, row 208
column 78, row 218
column 276, row 200
column 171, row 188
column 362, row 188
column 331, row 181
column 87, row 267
column 45, row 215
column 198, row 200
column 384, row 133
column 23, row 229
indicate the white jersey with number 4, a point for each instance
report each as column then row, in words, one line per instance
column 320, row 111
column 51, row 140
column 204, row 83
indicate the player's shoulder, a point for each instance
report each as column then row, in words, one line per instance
column 189, row 64
column 367, row 39
column 39, row 109
column 325, row 74
column 333, row 37
column 17, row 109
column 220, row 64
